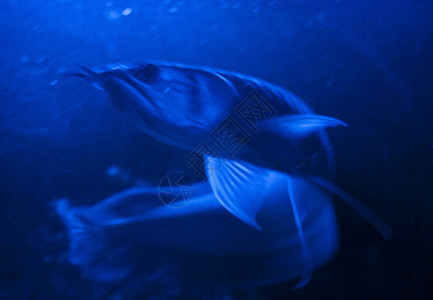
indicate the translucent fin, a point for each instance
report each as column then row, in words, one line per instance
column 89, row 246
column 296, row 193
column 384, row 229
column 65, row 212
column 238, row 186
column 299, row 126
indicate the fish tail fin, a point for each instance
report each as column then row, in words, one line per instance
column 90, row 248
column 79, row 232
column 383, row 228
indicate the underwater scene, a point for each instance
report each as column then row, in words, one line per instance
column 180, row 149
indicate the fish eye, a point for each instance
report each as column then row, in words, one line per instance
column 147, row 73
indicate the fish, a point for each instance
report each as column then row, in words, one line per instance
column 274, row 130
column 134, row 237
column 181, row 105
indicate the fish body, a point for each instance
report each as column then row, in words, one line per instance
column 274, row 182
column 186, row 106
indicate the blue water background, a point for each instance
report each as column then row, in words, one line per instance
column 368, row 63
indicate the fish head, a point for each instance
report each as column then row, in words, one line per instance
column 129, row 88
column 165, row 101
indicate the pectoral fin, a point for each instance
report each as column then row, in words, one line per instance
column 240, row 187
column 299, row 126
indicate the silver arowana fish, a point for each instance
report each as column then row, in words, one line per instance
column 184, row 106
